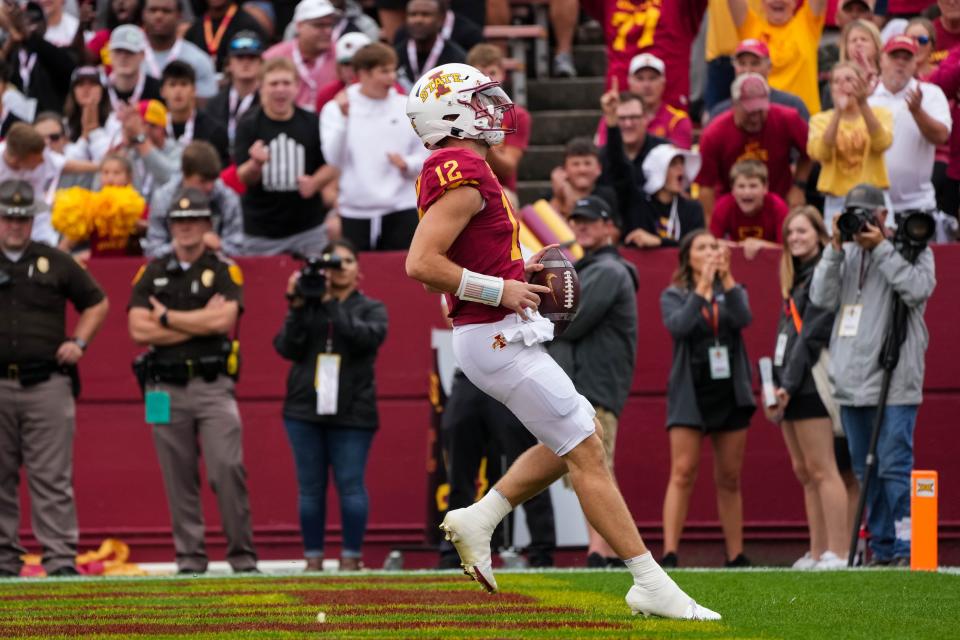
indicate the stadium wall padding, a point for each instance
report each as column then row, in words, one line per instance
column 120, row 493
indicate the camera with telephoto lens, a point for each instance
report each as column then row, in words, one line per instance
column 915, row 228
column 312, row 284
column 855, row 220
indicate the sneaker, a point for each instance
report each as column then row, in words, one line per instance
column 669, row 602
column 472, row 541
column 669, row 560
column 740, row 561
column 807, row 561
column 596, row 561
column 830, row 561
column 563, row 66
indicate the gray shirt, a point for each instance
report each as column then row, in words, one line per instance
column 599, row 348
column 202, row 63
column 854, row 361
column 227, row 219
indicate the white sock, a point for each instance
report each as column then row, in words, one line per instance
column 492, row 508
column 649, row 575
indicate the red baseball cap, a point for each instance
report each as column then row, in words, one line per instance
column 901, row 43
column 754, row 46
column 750, row 91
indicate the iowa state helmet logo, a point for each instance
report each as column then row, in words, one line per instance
column 437, row 85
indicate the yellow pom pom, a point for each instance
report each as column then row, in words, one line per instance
column 116, row 211
column 71, row 213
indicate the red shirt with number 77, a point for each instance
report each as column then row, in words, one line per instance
column 490, row 243
column 665, row 28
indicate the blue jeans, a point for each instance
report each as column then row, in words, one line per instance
column 888, row 496
column 720, row 75
column 315, row 449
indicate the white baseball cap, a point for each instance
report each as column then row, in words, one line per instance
column 311, row 9
column 657, row 162
column 128, row 37
column 348, row 44
column 647, row 61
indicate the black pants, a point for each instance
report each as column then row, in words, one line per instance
column 474, row 425
column 396, row 231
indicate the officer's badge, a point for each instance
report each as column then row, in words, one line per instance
column 236, row 274
column 17, row 198
column 207, row 278
column 43, row 265
column 184, row 203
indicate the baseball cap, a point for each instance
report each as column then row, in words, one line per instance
column 754, row 46
column 128, row 37
column 864, row 196
column 657, row 162
column 901, row 43
column 246, row 43
column 153, row 112
column 647, row 61
column 190, row 202
column 591, row 208
column 16, row 199
column 751, row 92
column 348, row 44
column 311, row 9
column 869, row 4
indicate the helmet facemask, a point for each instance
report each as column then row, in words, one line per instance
column 490, row 105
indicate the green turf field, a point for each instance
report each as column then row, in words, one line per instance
column 555, row 604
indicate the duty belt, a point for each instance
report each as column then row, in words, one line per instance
column 182, row 372
column 30, row 373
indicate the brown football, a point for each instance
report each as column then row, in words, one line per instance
column 560, row 305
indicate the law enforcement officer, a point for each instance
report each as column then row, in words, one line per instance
column 184, row 306
column 38, row 382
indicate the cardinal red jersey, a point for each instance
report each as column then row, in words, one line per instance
column 490, row 243
column 665, row 28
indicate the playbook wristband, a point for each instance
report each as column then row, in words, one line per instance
column 476, row 287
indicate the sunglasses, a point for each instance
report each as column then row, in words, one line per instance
column 922, row 40
column 240, row 44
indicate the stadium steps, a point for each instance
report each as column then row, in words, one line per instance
column 561, row 109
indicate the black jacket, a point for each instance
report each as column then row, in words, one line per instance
column 49, row 79
column 625, row 175
column 358, row 327
column 651, row 211
column 802, row 351
column 599, row 348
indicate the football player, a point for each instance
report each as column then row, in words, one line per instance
column 467, row 245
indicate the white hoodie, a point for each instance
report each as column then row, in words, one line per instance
column 358, row 144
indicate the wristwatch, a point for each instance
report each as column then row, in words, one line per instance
column 140, row 138
column 80, row 342
column 164, row 320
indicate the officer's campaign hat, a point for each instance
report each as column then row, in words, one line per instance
column 16, row 199
column 190, row 203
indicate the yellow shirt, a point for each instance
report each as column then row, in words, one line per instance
column 722, row 38
column 793, row 52
column 856, row 157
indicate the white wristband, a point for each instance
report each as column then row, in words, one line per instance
column 476, row 287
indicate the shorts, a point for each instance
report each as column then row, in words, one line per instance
column 528, row 381
column 609, row 423
column 805, row 407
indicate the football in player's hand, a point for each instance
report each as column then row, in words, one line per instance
column 558, row 274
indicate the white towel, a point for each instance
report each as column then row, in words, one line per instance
column 532, row 330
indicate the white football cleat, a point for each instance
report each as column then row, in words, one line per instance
column 667, row 603
column 472, row 541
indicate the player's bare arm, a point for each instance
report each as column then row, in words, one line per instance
column 438, row 229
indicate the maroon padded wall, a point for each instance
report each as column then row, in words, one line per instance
column 120, row 493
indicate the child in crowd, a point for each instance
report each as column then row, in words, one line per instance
column 667, row 214
column 577, row 178
column 749, row 215
column 849, row 140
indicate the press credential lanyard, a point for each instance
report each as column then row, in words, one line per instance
column 150, row 58
column 212, row 39
column 237, row 108
column 719, row 356
column 116, row 102
column 188, row 127
column 850, row 313
column 432, row 58
column 327, row 378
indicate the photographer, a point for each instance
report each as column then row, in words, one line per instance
column 331, row 334
column 859, row 280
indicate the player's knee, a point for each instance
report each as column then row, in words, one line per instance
column 588, row 455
